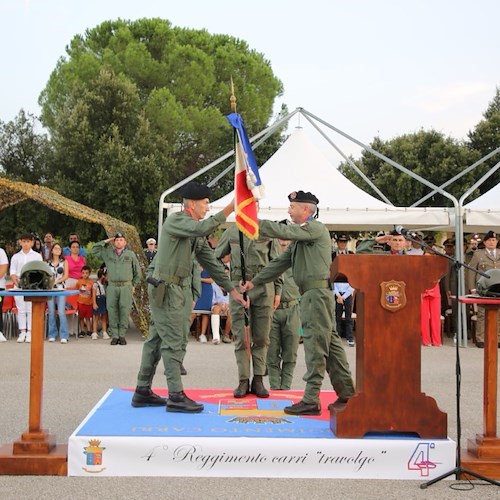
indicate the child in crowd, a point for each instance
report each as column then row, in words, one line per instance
column 99, row 303
column 220, row 307
column 84, row 285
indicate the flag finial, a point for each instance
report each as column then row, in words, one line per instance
column 232, row 99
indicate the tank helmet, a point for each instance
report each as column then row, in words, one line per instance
column 489, row 286
column 36, row 275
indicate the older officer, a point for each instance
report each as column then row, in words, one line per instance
column 183, row 238
column 483, row 260
column 123, row 274
column 310, row 258
column 258, row 253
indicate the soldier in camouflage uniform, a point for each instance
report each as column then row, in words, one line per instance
column 151, row 351
column 483, row 260
column 123, row 274
column 284, row 334
column 310, row 258
column 258, row 253
column 183, row 238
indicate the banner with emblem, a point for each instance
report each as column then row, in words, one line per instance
column 248, row 187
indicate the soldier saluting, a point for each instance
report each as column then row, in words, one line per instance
column 124, row 273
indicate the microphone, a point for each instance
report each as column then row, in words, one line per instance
column 405, row 232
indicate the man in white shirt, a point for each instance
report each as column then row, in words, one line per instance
column 4, row 264
column 25, row 255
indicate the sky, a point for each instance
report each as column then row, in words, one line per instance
column 368, row 67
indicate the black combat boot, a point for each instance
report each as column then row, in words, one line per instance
column 242, row 390
column 178, row 402
column 144, row 396
column 302, row 408
column 339, row 405
column 258, row 387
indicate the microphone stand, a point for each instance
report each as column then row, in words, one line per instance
column 458, row 470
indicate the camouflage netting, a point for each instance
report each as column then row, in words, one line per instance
column 12, row 192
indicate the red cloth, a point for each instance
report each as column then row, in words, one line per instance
column 245, row 204
column 430, row 316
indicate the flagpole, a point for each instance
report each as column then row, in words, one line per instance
column 232, row 101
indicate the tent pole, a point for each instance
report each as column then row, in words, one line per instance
column 270, row 132
column 227, row 155
column 453, row 179
column 351, row 163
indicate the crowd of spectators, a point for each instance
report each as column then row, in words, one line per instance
column 71, row 270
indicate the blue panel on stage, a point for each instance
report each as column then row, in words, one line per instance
column 223, row 416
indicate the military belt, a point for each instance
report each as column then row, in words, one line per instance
column 287, row 305
column 120, row 283
column 175, row 280
column 310, row 285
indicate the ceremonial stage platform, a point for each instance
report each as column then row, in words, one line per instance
column 247, row 437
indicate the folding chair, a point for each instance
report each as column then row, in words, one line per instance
column 72, row 314
column 197, row 322
column 9, row 315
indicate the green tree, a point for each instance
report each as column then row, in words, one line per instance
column 25, row 155
column 485, row 138
column 427, row 153
column 137, row 106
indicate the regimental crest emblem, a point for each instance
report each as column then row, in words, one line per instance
column 94, row 453
column 260, row 420
column 393, row 295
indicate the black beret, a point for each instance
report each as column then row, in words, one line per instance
column 302, row 197
column 342, row 237
column 194, row 191
column 490, row 234
column 119, row 235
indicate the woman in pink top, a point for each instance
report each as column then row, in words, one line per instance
column 75, row 264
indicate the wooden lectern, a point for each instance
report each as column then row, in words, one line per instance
column 388, row 363
column 36, row 452
column 483, row 452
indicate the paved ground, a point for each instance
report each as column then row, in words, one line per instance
column 78, row 374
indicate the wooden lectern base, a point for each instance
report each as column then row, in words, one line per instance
column 482, row 456
column 36, row 454
column 364, row 414
column 53, row 463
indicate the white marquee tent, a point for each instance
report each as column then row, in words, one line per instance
column 300, row 164
column 484, row 212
